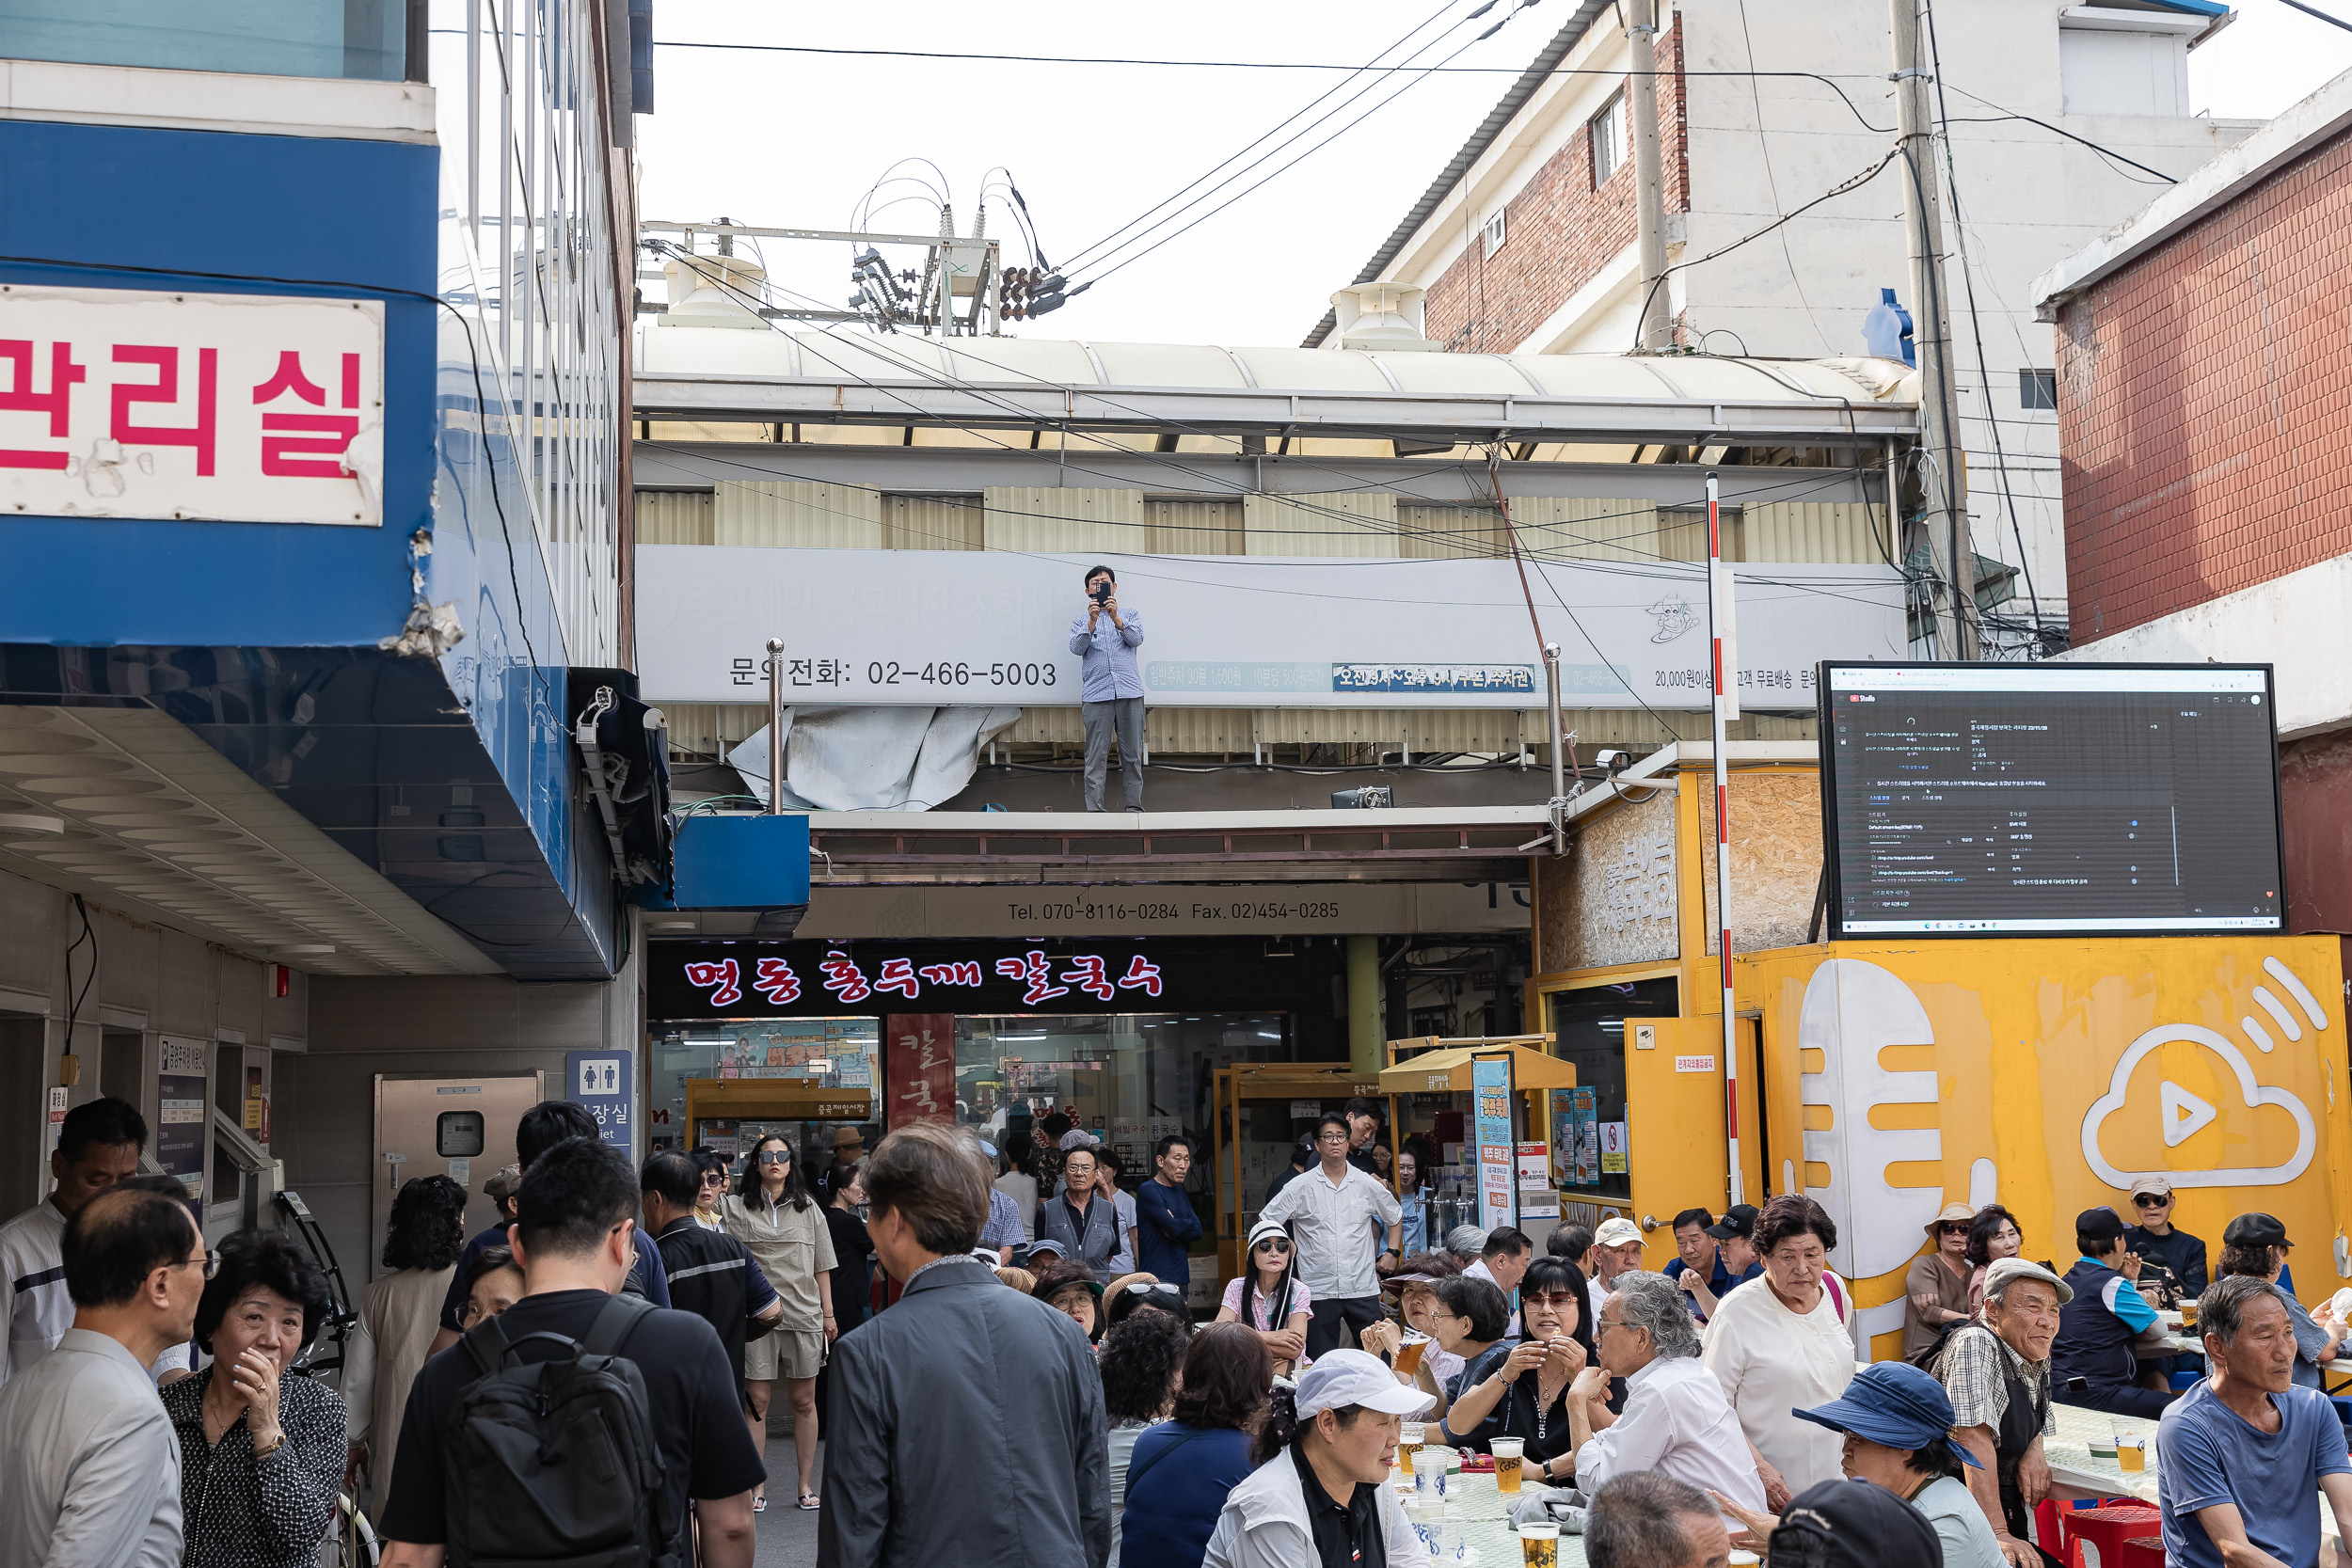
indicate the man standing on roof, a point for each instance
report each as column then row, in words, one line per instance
column 1111, row 688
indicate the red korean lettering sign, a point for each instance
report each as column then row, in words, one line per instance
column 918, row 1068
column 117, row 403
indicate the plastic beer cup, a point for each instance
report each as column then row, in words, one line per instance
column 1408, row 1354
column 1506, row 1452
column 1409, row 1438
column 1540, row 1545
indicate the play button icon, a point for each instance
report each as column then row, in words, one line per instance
column 2183, row 1113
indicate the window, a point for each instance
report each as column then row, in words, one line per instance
column 2037, row 389
column 1494, row 234
column 1609, row 142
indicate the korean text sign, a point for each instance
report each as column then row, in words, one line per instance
column 263, row 409
column 1490, row 1096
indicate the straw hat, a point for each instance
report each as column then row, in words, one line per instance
column 1954, row 1213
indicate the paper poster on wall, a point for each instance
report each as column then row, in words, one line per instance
column 1612, row 1148
column 182, row 1113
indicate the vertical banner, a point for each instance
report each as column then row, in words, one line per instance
column 603, row 1082
column 182, row 1113
column 1498, row 1178
column 919, row 1069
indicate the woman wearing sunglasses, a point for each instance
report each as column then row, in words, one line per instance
column 1270, row 1298
column 1937, row 1281
column 770, row 1213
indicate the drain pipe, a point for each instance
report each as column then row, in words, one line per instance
column 1559, row 767
column 775, row 727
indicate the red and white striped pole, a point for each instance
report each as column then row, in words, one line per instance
column 1721, row 630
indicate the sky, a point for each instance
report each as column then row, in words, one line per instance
column 784, row 140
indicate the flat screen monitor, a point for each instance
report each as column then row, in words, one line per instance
column 2008, row 800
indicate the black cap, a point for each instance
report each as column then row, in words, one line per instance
column 2254, row 1230
column 1852, row 1523
column 2099, row 1225
column 1739, row 1220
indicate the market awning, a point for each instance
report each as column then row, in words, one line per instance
column 1449, row 1068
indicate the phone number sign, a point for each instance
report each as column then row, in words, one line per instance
column 263, row 409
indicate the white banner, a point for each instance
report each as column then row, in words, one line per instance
column 1238, row 909
column 932, row 626
column 261, row 408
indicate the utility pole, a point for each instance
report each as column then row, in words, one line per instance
column 1650, row 186
column 1944, row 481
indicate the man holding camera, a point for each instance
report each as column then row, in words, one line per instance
column 1112, row 689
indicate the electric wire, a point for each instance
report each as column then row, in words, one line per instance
column 1976, row 324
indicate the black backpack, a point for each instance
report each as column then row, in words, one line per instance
column 554, row 1462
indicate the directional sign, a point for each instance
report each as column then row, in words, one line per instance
column 605, row 1083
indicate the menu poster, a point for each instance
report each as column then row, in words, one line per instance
column 1498, row 1184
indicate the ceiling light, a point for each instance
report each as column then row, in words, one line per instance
column 25, row 824
column 670, row 925
column 305, row 950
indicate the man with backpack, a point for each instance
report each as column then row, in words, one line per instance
column 583, row 1424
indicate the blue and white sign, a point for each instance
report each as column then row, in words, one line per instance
column 605, row 1083
column 1490, row 1119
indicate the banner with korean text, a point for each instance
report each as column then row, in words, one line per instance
column 1498, row 1180
column 920, row 1066
column 260, row 409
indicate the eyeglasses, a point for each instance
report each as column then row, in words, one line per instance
column 1333, row 1137
column 1551, row 1298
column 2151, row 1200
column 1602, row 1325
column 1169, row 1291
column 1274, row 1244
column 210, row 1263
column 776, row 1156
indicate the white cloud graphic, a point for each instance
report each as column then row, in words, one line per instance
column 2307, row 1132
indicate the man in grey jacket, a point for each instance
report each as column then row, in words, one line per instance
column 966, row 1423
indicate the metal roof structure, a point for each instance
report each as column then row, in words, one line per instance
column 847, row 379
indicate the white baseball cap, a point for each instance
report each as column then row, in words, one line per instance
column 1615, row 1232
column 1341, row 1378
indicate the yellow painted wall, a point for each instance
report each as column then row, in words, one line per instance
column 1898, row 1078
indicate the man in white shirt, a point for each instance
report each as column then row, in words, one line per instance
column 1330, row 1211
column 99, row 1144
column 90, row 1476
column 1676, row 1419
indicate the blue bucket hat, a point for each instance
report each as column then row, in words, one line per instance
column 1891, row 1402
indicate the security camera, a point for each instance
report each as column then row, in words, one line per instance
column 1614, row 763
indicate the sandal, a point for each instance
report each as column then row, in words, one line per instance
column 759, row 1504
column 808, row 1502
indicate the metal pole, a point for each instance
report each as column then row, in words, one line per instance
column 1945, row 483
column 1559, row 767
column 1649, row 191
column 775, row 726
column 1721, row 631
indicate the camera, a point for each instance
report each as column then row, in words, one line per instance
column 1102, row 592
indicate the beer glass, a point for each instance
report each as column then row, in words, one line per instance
column 2131, row 1452
column 1408, row 1355
column 1540, row 1545
column 1409, row 1436
column 1506, row 1452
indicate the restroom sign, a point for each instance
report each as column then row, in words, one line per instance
column 605, row 1083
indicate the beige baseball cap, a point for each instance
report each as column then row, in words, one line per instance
column 2155, row 1183
column 1615, row 1232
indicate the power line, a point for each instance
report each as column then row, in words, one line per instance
column 1206, row 64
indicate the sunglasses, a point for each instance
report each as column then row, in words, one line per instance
column 1552, row 1298
column 1274, row 1244
column 2150, row 1201
column 776, row 1156
column 1956, row 1228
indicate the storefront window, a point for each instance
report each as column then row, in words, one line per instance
column 830, row 1054
column 1129, row 1079
column 1590, row 1022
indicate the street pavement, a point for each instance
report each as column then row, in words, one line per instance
column 786, row 1536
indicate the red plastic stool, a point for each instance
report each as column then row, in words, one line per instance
column 2048, row 1533
column 2141, row 1551
column 2099, row 1537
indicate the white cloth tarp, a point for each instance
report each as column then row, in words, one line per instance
column 860, row 758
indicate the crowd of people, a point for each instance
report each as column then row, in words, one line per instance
column 592, row 1377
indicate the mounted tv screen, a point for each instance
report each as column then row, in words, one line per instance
column 2008, row 800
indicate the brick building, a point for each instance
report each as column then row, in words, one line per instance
column 1525, row 242
column 2206, row 438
